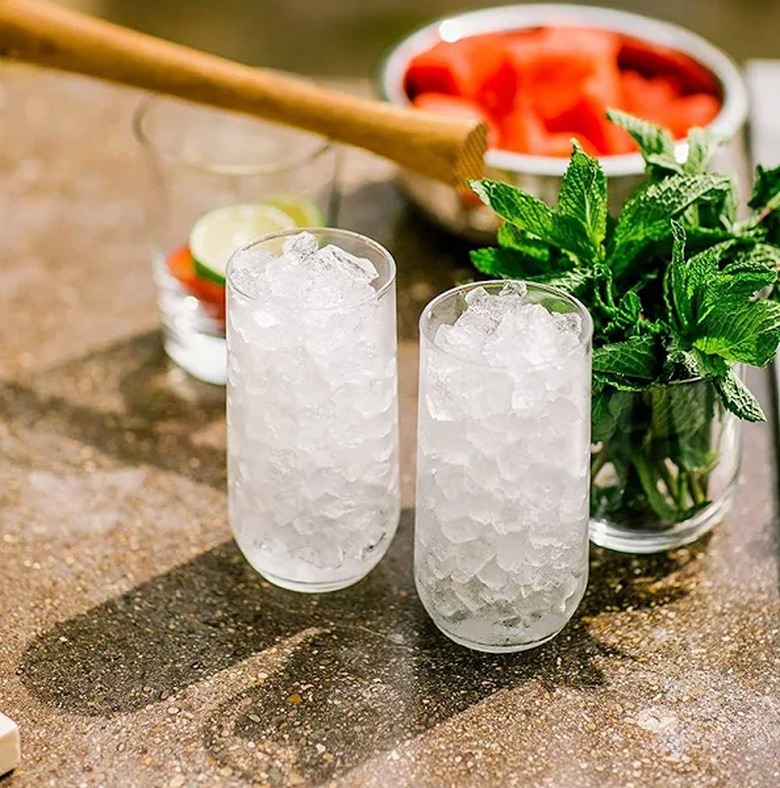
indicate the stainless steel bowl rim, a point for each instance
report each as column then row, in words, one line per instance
column 727, row 123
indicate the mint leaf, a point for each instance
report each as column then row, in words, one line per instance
column 765, row 202
column 519, row 255
column 766, row 188
column 577, row 224
column 740, row 330
column 701, row 147
column 512, row 237
column 582, row 203
column 646, row 217
column 702, row 365
column 508, row 263
column 660, row 165
column 751, row 271
column 680, row 410
column 571, row 281
column 609, row 405
column 652, row 139
column 517, row 207
column 687, row 282
column 759, row 256
column 737, row 398
column 713, row 311
column 627, row 315
column 634, row 359
column 540, row 254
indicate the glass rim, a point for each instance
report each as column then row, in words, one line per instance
column 338, row 232
column 586, row 334
column 150, row 100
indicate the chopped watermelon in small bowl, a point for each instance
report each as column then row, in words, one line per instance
column 542, row 75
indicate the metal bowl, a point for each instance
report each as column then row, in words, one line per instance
column 541, row 175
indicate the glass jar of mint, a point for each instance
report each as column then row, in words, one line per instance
column 664, row 466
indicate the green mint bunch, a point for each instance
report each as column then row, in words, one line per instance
column 672, row 283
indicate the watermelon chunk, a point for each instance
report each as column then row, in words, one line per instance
column 553, row 66
column 651, row 60
column 699, row 109
column 523, row 131
column 473, row 68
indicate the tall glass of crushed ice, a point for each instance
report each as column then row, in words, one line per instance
column 501, row 533
column 312, row 406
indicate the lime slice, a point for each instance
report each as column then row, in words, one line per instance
column 219, row 233
column 303, row 212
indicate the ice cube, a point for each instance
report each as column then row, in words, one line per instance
column 514, row 290
column 265, row 318
column 358, row 267
column 472, row 556
column 248, row 271
column 285, row 279
column 568, row 322
column 460, row 530
column 492, row 575
column 301, row 246
column 476, row 298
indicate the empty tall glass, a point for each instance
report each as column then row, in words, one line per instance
column 219, row 181
column 312, row 407
column 501, row 533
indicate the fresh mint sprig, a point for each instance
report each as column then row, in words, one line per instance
column 673, row 285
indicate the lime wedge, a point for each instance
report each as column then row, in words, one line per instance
column 303, row 212
column 219, row 233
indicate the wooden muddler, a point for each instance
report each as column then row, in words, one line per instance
column 447, row 149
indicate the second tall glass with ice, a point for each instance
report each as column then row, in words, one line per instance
column 312, row 407
column 501, row 533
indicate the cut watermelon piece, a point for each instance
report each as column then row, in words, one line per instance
column 524, row 132
column 557, row 63
column 652, row 60
column 688, row 111
column 472, row 68
column 648, row 98
column 586, row 118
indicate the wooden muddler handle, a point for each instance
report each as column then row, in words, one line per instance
column 447, row 149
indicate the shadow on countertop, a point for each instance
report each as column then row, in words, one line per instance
column 373, row 673
column 129, row 402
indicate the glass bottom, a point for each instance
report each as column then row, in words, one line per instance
column 490, row 648
column 312, row 588
column 643, row 542
column 204, row 356
column 312, row 585
column 293, row 572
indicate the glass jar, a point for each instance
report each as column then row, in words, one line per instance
column 664, row 466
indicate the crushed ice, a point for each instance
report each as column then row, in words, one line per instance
column 305, row 275
column 502, row 328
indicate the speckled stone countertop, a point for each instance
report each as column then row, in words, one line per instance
column 139, row 649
